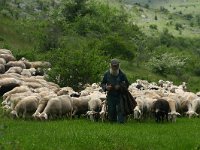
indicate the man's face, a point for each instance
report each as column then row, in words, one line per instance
column 114, row 67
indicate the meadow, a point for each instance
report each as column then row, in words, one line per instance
column 82, row 134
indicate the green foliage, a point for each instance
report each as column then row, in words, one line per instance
column 78, row 67
column 167, row 63
column 188, row 16
column 163, row 9
column 178, row 26
column 156, row 18
column 153, row 26
column 166, row 38
column 115, row 45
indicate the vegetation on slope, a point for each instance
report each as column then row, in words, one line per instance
column 87, row 33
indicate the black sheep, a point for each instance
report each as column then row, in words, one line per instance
column 161, row 109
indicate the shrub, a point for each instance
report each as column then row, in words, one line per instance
column 178, row 26
column 166, row 63
column 153, row 26
column 78, row 67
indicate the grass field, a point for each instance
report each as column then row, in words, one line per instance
column 81, row 134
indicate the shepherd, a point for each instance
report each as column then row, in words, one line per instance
column 120, row 102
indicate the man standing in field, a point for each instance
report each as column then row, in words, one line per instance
column 114, row 81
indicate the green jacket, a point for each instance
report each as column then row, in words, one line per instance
column 112, row 80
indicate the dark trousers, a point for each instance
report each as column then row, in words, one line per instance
column 114, row 109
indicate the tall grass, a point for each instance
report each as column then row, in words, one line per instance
column 81, row 134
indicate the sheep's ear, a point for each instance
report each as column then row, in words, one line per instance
column 169, row 113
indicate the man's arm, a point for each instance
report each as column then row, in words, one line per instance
column 104, row 82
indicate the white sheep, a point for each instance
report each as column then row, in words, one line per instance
column 80, row 105
column 17, row 70
column 5, row 51
column 20, row 89
column 15, row 64
column 2, row 61
column 42, row 104
column 2, row 69
column 26, row 106
column 94, row 106
column 7, row 57
column 57, row 106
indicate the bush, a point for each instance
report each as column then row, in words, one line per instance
column 117, row 46
column 166, row 63
column 78, row 67
column 178, row 26
column 153, row 26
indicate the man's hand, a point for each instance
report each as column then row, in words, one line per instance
column 108, row 87
column 117, row 87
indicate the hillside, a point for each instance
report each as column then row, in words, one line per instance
column 137, row 34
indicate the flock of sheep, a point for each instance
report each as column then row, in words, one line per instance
column 26, row 93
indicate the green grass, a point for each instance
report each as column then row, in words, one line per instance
column 83, row 134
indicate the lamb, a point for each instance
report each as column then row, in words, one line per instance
column 26, row 106
column 57, row 106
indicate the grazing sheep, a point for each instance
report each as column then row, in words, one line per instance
column 17, row 70
column 2, row 69
column 65, row 91
column 15, row 64
column 7, row 57
column 25, row 107
column 94, row 106
column 28, row 72
column 42, row 104
column 161, row 110
column 5, row 51
column 57, row 106
column 103, row 113
column 7, row 84
column 20, row 89
column 195, row 107
column 40, row 64
column 26, row 62
column 2, row 61
column 80, row 105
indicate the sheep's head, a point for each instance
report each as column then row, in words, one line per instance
column 137, row 113
column 14, row 113
column 191, row 114
column 43, row 116
column 173, row 115
column 36, row 115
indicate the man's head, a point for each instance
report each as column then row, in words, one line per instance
column 114, row 63
column 114, row 66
